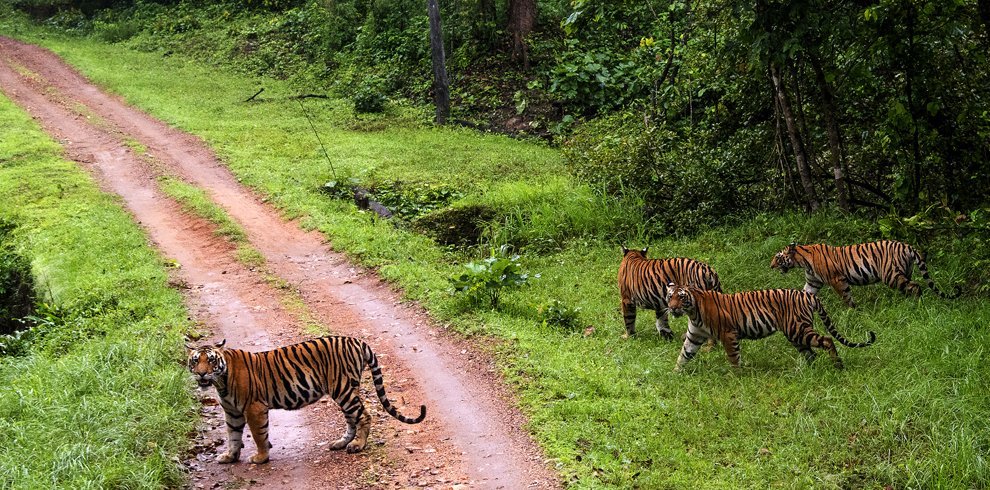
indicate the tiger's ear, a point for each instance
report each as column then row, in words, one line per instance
column 220, row 344
column 624, row 250
column 647, row 249
column 791, row 246
column 189, row 347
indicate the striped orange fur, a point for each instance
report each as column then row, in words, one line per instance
column 643, row 284
column 249, row 384
column 753, row 315
column 886, row 261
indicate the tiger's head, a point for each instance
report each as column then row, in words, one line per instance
column 207, row 363
column 784, row 260
column 641, row 253
column 679, row 299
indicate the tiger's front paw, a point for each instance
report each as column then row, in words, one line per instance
column 666, row 334
column 228, row 457
column 258, row 458
column 340, row 444
column 355, row 447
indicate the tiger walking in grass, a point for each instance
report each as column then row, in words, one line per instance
column 886, row 261
column 643, row 283
column 753, row 315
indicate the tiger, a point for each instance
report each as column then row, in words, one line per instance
column 886, row 261
column 643, row 283
column 249, row 384
column 753, row 315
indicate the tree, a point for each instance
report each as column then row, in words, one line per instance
column 441, row 88
column 522, row 20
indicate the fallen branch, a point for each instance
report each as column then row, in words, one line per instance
column 249, row 99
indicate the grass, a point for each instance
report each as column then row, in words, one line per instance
column 101, row 399
column 910, row 411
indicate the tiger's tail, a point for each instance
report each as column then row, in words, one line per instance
column 376, row 376
column 835, row 332
column 923, row 267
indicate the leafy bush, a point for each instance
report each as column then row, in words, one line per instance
column 489, row 278
column 368, row 99
column 16, row 282
column 410, row 200
column 689, row 179
column 949, row 234
column 554, row 313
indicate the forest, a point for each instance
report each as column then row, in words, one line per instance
column 715, row 109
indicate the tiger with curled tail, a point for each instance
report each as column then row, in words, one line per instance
column 643, row 283
column 753, row 315
column 249, row 384
column 886, row 261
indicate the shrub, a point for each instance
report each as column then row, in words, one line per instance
column 554, row 313
column 16, row 282
column 489, row 278
column 368, row 99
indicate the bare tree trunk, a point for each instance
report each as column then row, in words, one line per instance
column 522, row 19
column 804, row 169
column 834, row 138
column 782, row 151
column 441, row 86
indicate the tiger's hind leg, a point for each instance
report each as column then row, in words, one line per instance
column 629, row 317
column 806, row 338
column 358, row 420
column 904, row 284
column 809, row 355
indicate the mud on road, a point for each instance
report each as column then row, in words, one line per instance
column 472, row 437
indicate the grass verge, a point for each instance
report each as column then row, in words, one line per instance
column 100, row 400
column 910, row 411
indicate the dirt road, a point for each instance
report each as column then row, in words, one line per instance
column 472, row 437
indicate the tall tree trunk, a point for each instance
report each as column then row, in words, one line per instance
column 522, row 19
column 441, row 87
column 804, row 169
column 836, row 156
column 782, row 150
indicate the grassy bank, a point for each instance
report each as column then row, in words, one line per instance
column 100, row 399
column 910, row 411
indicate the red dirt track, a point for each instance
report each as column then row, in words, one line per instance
column 472, row 436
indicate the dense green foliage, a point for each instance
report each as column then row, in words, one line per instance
column 93, row 395
column 892, row 95
column 910, row 411
column 16, row 284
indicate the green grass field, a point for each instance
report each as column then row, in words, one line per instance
column 910, row 411
column 102, row 400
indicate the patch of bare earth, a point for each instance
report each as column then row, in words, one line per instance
column 472, row 436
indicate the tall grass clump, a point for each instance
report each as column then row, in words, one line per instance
column 97, row 398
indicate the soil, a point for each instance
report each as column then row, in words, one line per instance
column 473, row 436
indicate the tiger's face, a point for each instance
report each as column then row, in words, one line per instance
column 207, row 363
column 679, row 299
column 784, row 260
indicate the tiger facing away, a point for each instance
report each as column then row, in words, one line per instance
column 753, row 315
column 249, row 384
column 643, row 283
column 885, row 261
